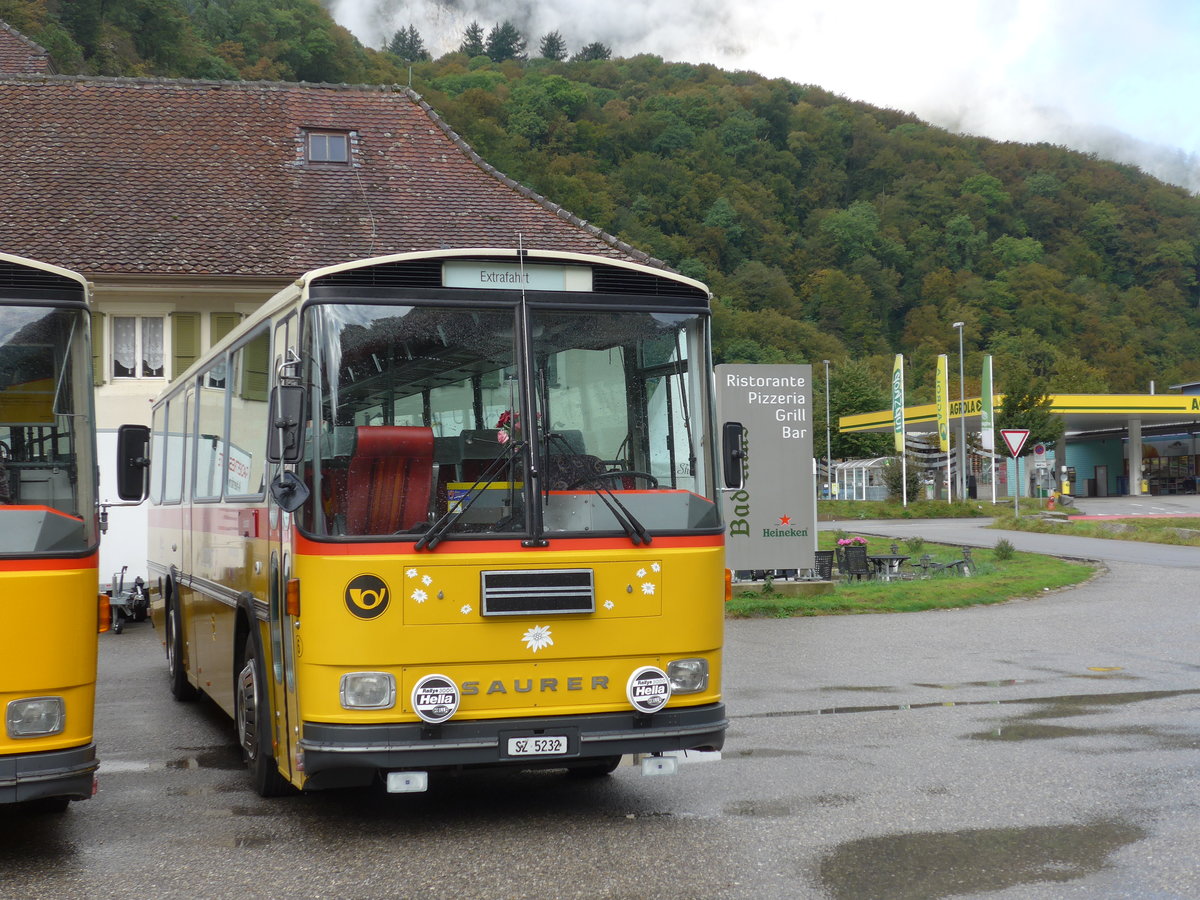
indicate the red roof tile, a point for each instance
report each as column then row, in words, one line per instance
column 123, row 176
column 20, row 55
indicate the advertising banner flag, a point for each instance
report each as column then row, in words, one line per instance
column 898, row 402
column 987, row 411
column 943, row 402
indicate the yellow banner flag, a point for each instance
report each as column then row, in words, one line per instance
column 943, row 402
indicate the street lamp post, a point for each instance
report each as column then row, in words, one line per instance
column 962, row 419
column 828, row 443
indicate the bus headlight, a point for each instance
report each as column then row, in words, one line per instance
column 368, row 690
column 688, row 676
column 36, row 717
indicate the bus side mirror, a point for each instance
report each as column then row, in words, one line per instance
column 133, row 462
column 286, row 415
column 732, row 438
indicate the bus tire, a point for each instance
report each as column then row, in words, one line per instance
column 595, row 768
column 251, row 709
column 181, row 689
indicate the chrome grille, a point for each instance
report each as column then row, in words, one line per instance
column 527, row 592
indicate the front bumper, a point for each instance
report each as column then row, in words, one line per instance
column 340, row 755
column 57, row 773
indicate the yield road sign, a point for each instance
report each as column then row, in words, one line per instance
column 1014, row 438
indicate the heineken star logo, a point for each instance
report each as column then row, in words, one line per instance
column 785, row 520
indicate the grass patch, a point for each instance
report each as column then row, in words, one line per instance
column 1181, row 531
column 842, row 510
column 993, row 580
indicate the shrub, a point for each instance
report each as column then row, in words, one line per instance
column 1004, row 549
column 915, row 544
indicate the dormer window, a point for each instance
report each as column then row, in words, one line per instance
column 328, row 147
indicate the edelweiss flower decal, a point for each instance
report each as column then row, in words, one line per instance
column 466, row 609
column 419, row 595
column 648, row 576
column 538, row 637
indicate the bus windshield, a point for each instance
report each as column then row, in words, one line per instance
column 46, row 462
column 419, row 421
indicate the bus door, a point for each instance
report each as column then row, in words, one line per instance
column 281, row 626
column 182, row 541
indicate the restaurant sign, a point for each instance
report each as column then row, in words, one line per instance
column 772, row 517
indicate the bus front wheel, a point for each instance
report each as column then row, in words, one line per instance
column 253, row 726
column 181, row 689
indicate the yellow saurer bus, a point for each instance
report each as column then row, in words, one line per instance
column 446, row 509
column 49, row 586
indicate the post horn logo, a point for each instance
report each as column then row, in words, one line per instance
column 367, row 596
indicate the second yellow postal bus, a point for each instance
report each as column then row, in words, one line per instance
column 447, row 509
column 49, row 537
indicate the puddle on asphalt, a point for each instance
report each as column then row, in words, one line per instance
column 1055, row 707
column 777, row 807
column 1030, row 731
column 763, row 753
column 208, row 758
column 930, row 865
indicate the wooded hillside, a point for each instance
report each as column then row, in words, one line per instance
column 827, row 228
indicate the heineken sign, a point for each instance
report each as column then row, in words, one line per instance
column 771, row 519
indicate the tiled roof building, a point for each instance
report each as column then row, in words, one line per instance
column 164, row 177
column 19, row 55
column 189, row 203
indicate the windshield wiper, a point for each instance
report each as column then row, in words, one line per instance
column 634, row 530
column 437, row 531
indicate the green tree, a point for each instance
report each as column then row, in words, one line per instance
column 553, row 47
column 504, row 41
column 408, row 45
column 854, row 388
column 1027, row 405
column 903, row 480
column 472, row 42
column 594, row 50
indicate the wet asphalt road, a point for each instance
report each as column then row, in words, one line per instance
column 1041, row 749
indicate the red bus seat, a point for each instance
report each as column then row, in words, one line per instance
column 390, row 479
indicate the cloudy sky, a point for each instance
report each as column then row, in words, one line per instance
column 1113, row 77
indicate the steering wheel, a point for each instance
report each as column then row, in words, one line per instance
column 619, row 473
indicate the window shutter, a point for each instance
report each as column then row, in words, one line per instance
column 220, row 324
column 185, row 341
column 256, row 366
column 98, row 364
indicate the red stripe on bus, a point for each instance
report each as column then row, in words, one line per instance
column 49, row 509
column 38, row 565
column 309, row 547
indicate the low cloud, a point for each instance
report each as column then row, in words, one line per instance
column 1087, row 75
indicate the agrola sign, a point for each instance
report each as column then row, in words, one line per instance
column 771, row 518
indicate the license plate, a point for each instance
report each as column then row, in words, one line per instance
column 538, row 745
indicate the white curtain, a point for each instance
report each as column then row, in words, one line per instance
column 152, row 343
column 125, row 343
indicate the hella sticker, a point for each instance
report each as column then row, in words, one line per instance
column 435, row 698
column 648, row 689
